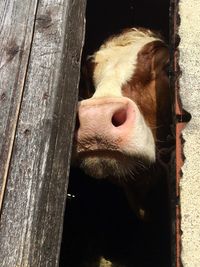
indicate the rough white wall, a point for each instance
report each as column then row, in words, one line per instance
column 189, row 32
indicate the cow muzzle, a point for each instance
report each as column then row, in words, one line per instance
column 111, row 135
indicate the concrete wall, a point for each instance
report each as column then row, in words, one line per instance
column 189, row 48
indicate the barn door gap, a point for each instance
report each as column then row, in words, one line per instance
column 100, row 230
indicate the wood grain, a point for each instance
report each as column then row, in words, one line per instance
column 34, row 201
column 16, row 33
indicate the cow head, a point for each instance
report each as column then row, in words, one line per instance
column 123, row 119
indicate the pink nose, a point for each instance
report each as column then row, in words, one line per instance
column 105, row 120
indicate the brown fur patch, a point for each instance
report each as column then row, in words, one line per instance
column 149, row 84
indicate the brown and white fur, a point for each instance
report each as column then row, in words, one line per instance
column 124, row 118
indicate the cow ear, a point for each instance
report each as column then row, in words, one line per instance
column 86, row 86
column 151, row 60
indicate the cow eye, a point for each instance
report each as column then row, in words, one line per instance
column 168, row 69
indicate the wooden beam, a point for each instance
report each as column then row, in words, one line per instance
column 37, row 171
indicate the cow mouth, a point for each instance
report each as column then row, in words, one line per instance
column 102, row 153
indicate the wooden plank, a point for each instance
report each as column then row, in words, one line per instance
column 33, row 207
column 16, row 31
column 175, row 196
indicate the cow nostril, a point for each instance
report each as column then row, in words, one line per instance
column 119, row 117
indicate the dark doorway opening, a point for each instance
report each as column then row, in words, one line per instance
column 105, row 18
column 99, row 225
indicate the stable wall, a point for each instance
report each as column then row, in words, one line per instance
column 189, row 48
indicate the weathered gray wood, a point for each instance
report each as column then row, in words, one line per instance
column 16, row 31
column 33, row 206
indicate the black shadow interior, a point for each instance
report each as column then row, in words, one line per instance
column 98, row 220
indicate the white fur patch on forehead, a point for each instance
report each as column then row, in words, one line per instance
column 116, row 60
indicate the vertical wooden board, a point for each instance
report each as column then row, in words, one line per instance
column 16, row 30
column 34, row 202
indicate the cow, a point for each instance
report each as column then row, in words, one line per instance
column 124, row 115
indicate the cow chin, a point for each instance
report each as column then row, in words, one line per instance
column 118, row 166
column 100, row 168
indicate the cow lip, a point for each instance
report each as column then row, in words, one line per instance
column 97, row 145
